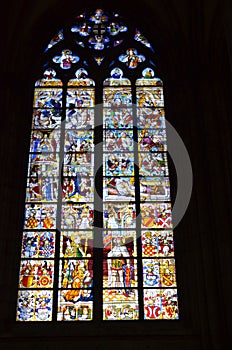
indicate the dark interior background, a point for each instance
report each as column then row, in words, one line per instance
column 192, row 40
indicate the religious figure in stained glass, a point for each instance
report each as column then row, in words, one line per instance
column 131, row 58
column 66, row 59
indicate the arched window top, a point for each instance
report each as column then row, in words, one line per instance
column 99, row 31
column 49, row 79
column 100, row 38
column 148, row 78
column 81, row 79
column 116, row 78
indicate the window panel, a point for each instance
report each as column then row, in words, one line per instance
column 119, row 243
column 119, row 304
column 159, row 273
column 75, row 305
column 76, row 244
column 34, row 305
column 76, row 273
column 45, row 141
column 121, row 118
column 78, row 141
column 81, row 118
column 156, row 215
column 75, row 295
column 118, row 189
column 150, row 118
column 154, row 188
column 157, row 243
column 38, row 244
column 118, row 164
column 149, row 97
column 77, row 216
column 40, row 216
column 153, row 164
column 45, row 165
column 118, row 140
column 117, row 97
column 152, row 140
column 80, row 98
column 78, row 163
column 119, row 215
column 119, row 273
column 160, row 304
column 36, row 274
column 46, row 118
column 42, row 189
column 78, row 189
column 48, row 98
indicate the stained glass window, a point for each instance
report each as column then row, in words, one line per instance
column 82, row 112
